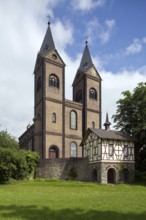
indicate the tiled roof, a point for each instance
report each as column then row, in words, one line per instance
column 110, row 134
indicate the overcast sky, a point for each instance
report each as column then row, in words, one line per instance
column 116, row 38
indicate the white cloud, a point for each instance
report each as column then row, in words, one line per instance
column 86, row 5
column 22, row 30
column 135, row 47
column 65, row 35
column 144, row 40
column 101, row 31
column 114, row 84
column 106, row 31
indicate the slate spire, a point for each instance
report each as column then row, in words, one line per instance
column 107, row 123
column 48, row 42
column 86, row 61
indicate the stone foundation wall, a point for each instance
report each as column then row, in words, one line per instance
column 60, row 168
column 95, row 172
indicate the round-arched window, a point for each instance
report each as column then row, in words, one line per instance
column 53, row 81
column 92, row 94
column 73, row 149
column 73, row 120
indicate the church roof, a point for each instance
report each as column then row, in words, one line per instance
column 48, row 42
column 86, row 61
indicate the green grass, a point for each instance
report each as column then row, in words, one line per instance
column 65, row 200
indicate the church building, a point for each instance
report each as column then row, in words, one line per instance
column 66, row 133
column 60, row 124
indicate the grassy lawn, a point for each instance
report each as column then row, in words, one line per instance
column 63, row 200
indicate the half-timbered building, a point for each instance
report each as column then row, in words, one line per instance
column 110, row 154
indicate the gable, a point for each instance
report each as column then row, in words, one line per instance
column 93, row 72
column 54, row 56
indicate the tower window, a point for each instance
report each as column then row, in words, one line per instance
column 79, row 95
column 53, row 81
column 92, row 94
column 73, row 120
column 39, row 84
column 73, row 149
column 54, row 117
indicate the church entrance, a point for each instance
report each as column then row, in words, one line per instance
column 111, row 176
column 94, row 175
column 53, row 152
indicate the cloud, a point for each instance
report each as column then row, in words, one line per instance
column 101, row 31
column 22, row 29
column 65, row 36
column 86, row 5
column 106, row 31
column 114, row 84
column 135, row 47
column 144, row 40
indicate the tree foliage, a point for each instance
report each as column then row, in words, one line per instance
column 15, row 163
column 131, row 116
column 7, row 141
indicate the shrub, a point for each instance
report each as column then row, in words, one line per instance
column 72, row 173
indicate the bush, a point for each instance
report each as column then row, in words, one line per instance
column 72, row 173
column 16, row 164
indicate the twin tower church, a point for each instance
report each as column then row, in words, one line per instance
column 67, row 134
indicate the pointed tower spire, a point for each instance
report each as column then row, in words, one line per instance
column 107, row 123
column 86, row 61
column 48, row 42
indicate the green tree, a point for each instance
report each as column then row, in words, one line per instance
column 14, row 162
column 8, row 141
column 130, row 117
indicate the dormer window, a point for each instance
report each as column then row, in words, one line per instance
column 53, row 81
column 85, row 65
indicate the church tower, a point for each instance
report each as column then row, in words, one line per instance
column 49, row 77
column 87, row 90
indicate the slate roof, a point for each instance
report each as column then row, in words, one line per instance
column 110, row 134
column 48, row 42
column 86, row 61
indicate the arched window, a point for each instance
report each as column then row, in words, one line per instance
column 92, row 94
column 79, row 95
column 53, row 81
column 53, row 152
column 73, row 149
column 93, row 124
column 54, row 117
column 39, row 84
column 73, row 120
